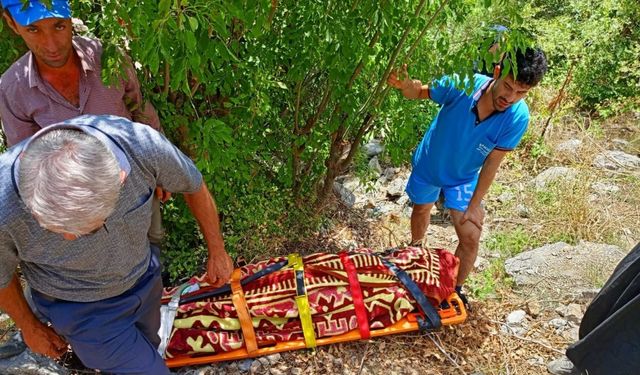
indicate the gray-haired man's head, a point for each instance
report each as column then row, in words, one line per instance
column 70, row 181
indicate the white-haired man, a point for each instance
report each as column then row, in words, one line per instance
column 76, row 201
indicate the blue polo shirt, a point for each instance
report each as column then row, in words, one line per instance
column 456, row 145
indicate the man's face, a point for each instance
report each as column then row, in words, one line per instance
column 48, row 39
column 506, row 91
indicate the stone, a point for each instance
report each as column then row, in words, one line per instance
column 562, row 366
column 556, row 263
column 274, row 358
column 374, row 165
column 571, row 312
column 296, row 371
column 346, row 196
column 534, row 309
column 373, row 147
column 4, row 318
column 569, row 147
column 12, row 347
column 516, row 318
column 615, row 160
column 245, row 365
column 536, row 361
column 554, row 175
column 481, row 263
column 506, row 197
column 558, row 324
column 605, row 188
column 396, row 187
column 389, row 173
column 523, row 211
column 619, row 144
column 29, row 363
column 275, row 371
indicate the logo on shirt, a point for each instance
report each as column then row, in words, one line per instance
column 484, row 149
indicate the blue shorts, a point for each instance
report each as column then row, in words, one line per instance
column 456, row 198
column 117, row 335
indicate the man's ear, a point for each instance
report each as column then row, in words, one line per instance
column 496, row 71
column 10, row 21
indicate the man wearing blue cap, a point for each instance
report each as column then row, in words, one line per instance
column 76, row 199
column 60, row 78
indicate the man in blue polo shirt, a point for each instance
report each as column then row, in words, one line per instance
column 461, row 152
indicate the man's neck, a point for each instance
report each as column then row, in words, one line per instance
column 65, row 79
column 485, row 103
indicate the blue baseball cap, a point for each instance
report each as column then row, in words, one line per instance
column 36, row 10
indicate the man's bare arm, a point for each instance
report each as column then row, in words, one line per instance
column 39, row 337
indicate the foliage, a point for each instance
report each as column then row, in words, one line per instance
column 601, row 39
column 272, row 99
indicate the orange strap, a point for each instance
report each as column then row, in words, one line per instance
column 240, row 303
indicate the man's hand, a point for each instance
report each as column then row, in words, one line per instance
column 474, row 214
column 42, row 339
column 219, row 268
column 162, row 194
column 399, row 79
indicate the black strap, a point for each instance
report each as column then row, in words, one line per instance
column 226, row 289
column 433, row 318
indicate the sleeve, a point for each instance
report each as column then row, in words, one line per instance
column 9, row 258
column 443, row 89
column 514, row 130
column 141, row 111
column 174, row 171
column 15, row 127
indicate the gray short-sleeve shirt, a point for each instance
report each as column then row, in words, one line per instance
column 108, row 262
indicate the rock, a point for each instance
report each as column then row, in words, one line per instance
column 571, row 334
column 12, row 347
column 396, row 187
column 245, row 365
column 4, row 318
column 523, row 211
column 374, row 165
column 562, row 366
column 505, row 197
column 296, row 371
column 275, row 371
column 563, row 264
column 554, row 175
column 389, row 173
column 516, row 318
column 558, row 324
column 536, row 361
column 570, row 147
column 29, row 363
column 571, row 312
column 605, row 188
column 373, row 147
column 534, row 309
column 615, row 160
column 620, row 144
column 403, row 200
column 481, row 263
column 346, row 196
column 255, row 368
column 274, row 358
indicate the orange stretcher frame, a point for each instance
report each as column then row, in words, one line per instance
column 455, row 314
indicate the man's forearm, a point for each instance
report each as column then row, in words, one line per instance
column 204, row 210
column 487, row 175
column 12, row 302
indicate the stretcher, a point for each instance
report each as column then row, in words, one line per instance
column 293, row 303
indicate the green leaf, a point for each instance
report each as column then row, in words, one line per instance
column 190, row 40
column 163, row 6
column 193, row 23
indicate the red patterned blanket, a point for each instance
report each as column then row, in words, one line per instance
column 211, row 325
